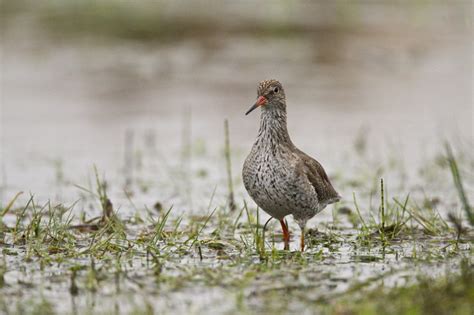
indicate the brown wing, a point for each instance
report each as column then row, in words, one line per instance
column 319, row 179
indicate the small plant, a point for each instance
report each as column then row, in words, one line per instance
column 459, row 185
column 231, row 201
column 108, row 218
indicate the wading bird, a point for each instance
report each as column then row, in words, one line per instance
column 279, row 177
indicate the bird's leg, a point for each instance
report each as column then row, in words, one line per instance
column 286, row 234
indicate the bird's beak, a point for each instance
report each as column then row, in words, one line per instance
column 260, row 101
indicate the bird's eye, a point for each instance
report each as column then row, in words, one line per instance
column 276, row 89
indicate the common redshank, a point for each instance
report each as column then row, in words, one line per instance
column 280, row 178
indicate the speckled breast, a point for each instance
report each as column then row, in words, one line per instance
column 273, row 185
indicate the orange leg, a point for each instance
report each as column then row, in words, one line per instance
column 286, row 234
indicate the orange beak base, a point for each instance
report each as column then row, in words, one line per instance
column 260, row 101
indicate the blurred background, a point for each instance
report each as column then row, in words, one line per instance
column 142, row 88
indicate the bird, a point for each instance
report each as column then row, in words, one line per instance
column 280, row 178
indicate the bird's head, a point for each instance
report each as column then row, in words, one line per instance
column 270, row 96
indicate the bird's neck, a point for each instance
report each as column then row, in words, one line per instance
column 273, row 128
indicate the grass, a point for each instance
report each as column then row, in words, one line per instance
column 227, row 153
column 459, row 185
column 111, row 20
column 450, row 294
column 160, row 22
